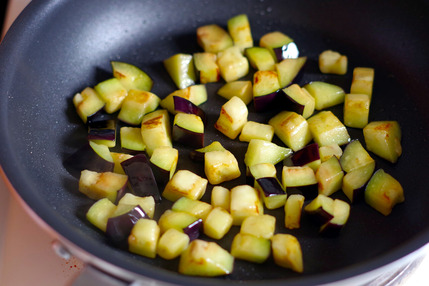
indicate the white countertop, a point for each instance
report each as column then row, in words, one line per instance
column 26, row 254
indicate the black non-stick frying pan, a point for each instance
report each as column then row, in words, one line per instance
column 57, row 48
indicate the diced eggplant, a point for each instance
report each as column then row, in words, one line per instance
column 131, row 77
column 297, row 176
column 289, row 51
column 213, row 38
column 263, row 225
column 188, row 129
column 146, row 203
column 197, row 208
column 87, row 103
column 203, row 258
column 383, row 138
column 181, row 69
column 288, row 69
column 103, row 133
column 363, row 80
column 383, row 192
column 140, row 177
column 119, row 226
column 197, row 94
column 250, row 248
column 307, row 156
column 172, row 243
column 99, row 213
column 321, row 209
column 325, row 94
column 185, row 183
column 239, row 29
column 118, row 158
column 332, row 62
column 245, row 202
column 131, row 139
column 143, row 239
column 255, row 130
column 91, row 156
column 273, row 194
column 232, row 117
column 261, row 151
column 265, row 89
column 355, row 156
column 207, row 68
column 175, row 219
column 136, row 105
column 217, row 223
column 101, row 185
column 112, row 92
column 193, row 230
column 328, row 151
column 329, row 176
column 341, row 214
column 356, row 110
column 293, row 211
column 327, row 129
column 99, row 119
column 233, row 65
column 287, row 252
column 156, row 130
column 198, row 154
column 298, row 99
column 354, row 182
column 262, row 170
column 221, row 166
column 164, row 161
column 240, row 88
column 184, row 105
column 292, row 129
column 278, row 44
column 221, row 197
column 260, row 58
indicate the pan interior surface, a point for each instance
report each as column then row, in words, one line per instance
column 57, row 48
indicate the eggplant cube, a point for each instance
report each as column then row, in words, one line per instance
column 293, row 211
column 326, row 152
column 164, row 163
column 239, row 29
column 172, row 243
column 136, row 105
column 103, row 133
column 383, row 138
column 131, row 77
column 196, row 208
column 297, row 176
column 197, row 94
column 198, row 154
column 260, row 58
column 355, row 156
column 221, row 166
column 276, row 42
column 206, row 65
column 262, row 151
column 287, row 252
column 185, row 183
column 87, row 102
column 181, row 69
column 259, row 225
column 232, row 64
column 217, row 223
column 131, row 138
column 250, row 248
column 263, row 170
column 332, row 62
column 221, row 197
column 240, row 88
column 188, row 129
column 299, row 100
column 101, row 185
column 292, row 129
column 383, row 192
column 255, row 130
column 203, row 258
column 175, row 219
column 288, row 69
column 118, row 158
column 143, row 239
column 213, row 38
column 356, row 110
column 363, row 80
column 99, row 213
column 272, row 192
column 325, row 94
column 329, row 176
column 146, row 203
column 233, row 116
column 320, row 209
column 307, row 156
column 327, row 129
column 355, row 181
column 112, row 92
column 265, row 88
column 156, row 130
column 341, row 215
column 245, row 201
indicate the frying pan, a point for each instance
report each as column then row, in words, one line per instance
column 57, row 48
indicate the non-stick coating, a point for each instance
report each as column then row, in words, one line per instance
column 57, row 48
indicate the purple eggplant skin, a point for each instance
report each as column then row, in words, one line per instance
column 309, row 192
column 102, row 134
column 270, row 186
column 85, row 158
column 194, row 229
column 186, row 106
column 140, row 177
column 308, row 154
column 187, row 137
column 119, row 227
column 289, row 103
column 265, row 102
column 162, row 176
column 331, row 229
column 289, row 51
column 196, row 156
column 99, row 119
column 320, row 216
